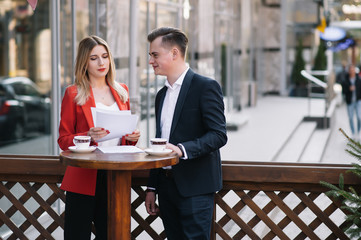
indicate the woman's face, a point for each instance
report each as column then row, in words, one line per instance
column 98, row 62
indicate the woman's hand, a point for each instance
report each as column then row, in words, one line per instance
column 133, row 137
column 97, row 133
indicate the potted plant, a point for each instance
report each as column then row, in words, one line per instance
column 298, row 81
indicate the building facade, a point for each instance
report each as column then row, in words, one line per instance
column 246, row 45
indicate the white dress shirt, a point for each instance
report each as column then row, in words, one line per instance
column 169, row 103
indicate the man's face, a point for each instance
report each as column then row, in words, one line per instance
column 160, row 57
column 352, row 70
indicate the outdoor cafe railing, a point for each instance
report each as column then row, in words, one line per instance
column 327, row 92
column 259, row 200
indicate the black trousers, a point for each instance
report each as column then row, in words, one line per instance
column 82, row 210
column 184, row 218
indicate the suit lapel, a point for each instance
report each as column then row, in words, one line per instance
column 158, row 107
column 181, row 98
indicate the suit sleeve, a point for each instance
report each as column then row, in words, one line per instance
column 68, row 121
column 213, row 120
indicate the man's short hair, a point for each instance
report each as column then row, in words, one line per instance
column 170, row 37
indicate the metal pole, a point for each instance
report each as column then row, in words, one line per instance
column 73, row 36
column 148, row 69
column 283, row 37
column 96, row 13
column 309, row 97
column 133, row 55
column 55, row 86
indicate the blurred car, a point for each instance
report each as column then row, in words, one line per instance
column 23, row 109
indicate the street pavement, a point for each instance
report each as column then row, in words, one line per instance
column 265, row 128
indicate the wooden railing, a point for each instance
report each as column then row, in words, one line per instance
column 258, row 201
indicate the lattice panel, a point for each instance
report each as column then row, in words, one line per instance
column 31, row 210
column 144, row 226
column 244, row 214
column 33, row 213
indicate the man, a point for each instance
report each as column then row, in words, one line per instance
column 190, row 114
column 351, row 88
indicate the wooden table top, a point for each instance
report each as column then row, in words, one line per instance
column 117, row 161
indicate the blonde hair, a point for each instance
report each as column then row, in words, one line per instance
column 82, row 80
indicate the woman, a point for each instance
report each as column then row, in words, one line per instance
column 86, row 197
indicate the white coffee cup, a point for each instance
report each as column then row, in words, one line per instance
column 158, row 144
column 82, row 141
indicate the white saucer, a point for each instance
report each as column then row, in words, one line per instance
column 82, row 150
column 160, row 153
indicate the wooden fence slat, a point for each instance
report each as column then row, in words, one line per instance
column 20, row 234
column 225, row 219
column 43, row 204
column 220, row 231
column 290, row 214
column 274, row 228
column 37, row 213
column 325, row 219
column 145, row 226
column 236, row 218
column 25, row 212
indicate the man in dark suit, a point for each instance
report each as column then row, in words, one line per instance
column 190, row 114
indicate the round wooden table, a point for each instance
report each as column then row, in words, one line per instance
column 119, row 168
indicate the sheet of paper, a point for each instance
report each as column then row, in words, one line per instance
column 118, row 123
column 120, row 149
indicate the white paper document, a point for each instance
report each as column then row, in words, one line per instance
column 118, row 123
column 120, row 149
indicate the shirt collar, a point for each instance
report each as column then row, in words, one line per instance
column 179, row 80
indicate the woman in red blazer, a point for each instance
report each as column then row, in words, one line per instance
column 86, row 197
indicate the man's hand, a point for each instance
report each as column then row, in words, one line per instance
column 175, row 149
column 150, row 204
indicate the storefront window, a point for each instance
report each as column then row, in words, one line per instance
column 152, row 15
column 25, row 78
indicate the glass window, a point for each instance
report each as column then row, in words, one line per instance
column 152, row 15
column 25, row 78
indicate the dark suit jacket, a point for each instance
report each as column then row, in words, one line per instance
column 199, row 124
column 346, row 88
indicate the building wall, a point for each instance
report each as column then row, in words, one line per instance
column 236, row 42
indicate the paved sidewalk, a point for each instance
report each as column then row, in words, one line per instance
column 266, row 127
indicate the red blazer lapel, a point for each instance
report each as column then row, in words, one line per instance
column 87, row 109
column 121, row 104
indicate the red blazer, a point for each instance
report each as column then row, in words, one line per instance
column 77, row 120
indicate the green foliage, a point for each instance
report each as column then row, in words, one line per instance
column 321, row 59
column 351, row 200
column 298, row 66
